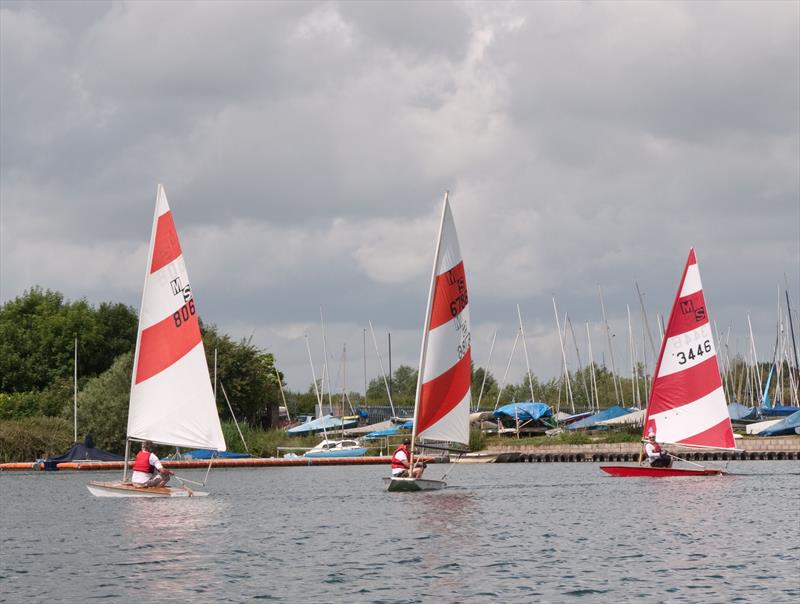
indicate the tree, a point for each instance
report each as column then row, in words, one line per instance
column 37, row 335
column 248, row 376
column 103, row 405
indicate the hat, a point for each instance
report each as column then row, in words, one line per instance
column 406, row 441
column 651, row 434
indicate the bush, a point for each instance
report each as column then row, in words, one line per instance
column 34, row 438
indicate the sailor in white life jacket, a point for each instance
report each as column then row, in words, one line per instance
column 657, row 457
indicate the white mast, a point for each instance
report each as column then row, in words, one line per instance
column 591, row 365
column 383, row 373
column 505, row 375
column 525, row 348
column 75, row 387
column 486, row 371
column 564, row 358
column 618, row 398
column 316, row 390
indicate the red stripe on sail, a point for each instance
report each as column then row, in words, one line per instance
column 166, row 247
column 719, row 437
column 449, row 296
column 439, row 396
column 688, row 313
column 684, row 387
column 167, row 342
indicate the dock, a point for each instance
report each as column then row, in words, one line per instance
column 763, row 449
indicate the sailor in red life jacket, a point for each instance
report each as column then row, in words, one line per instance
column 401, row 460
column 147, row 468
column 657, row 457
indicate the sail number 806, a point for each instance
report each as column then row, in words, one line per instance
column 183, row 313
column 693, row 353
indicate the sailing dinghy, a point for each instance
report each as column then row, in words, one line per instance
column 687, row 404
column 171, row 401
column 441, row 408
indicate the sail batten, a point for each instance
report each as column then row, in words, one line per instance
column 443, row 389
column 687, row 403
column 171, row 399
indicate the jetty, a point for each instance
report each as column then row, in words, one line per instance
column 775, row 448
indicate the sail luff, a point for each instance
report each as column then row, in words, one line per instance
column 159, row 192
column 442, row 409
column 426, row 325
column 687, row 401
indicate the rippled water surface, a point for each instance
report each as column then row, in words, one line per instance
column 498, row 533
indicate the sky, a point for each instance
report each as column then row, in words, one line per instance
column 305, row 148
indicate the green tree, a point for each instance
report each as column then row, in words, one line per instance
column 37, row 335
column 247, row 375
column 103, row 405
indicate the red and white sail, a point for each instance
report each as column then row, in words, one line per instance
column 171, row 401
column 443, row 388
column 687, row 402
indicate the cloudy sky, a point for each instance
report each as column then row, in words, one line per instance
column 305, row 149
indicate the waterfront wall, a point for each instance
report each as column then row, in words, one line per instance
column 776, row 448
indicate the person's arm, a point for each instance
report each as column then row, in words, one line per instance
column 156, row 462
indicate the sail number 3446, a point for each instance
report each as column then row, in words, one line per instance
column 693, row 353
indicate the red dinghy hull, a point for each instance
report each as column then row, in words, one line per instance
column 624, row 471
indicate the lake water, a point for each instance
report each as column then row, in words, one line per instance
column 498, row 533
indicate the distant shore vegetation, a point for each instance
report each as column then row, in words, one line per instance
column 38, row 331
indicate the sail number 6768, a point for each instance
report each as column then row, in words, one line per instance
column 693, row 353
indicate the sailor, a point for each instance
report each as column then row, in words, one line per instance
column 147, row 468
column 657, row 457
column 401, row 460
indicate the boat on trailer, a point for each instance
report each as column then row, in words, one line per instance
column 687, row 404
column 441, row 407
column 171, row 401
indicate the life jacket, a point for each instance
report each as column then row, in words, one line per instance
column 656, row 448
column 142, row 463
column 397, row 463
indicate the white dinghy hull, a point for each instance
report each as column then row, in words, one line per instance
column 411, row 485
column 126, row 489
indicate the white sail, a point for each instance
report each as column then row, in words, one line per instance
column 443, row 389
column 171, row 400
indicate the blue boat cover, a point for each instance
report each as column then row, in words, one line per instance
column 327, row 422
column 779, row 411
column 523, row 411
column 409, row 425
column 739, row 411
column 394, row 430
column 785, row 426
column 208, row 454
column 588, row 422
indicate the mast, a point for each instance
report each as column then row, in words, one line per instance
column 424, row 348
column 580, row 364
column 635, row 395
column 617, row 398
column 594, row 378
column 525, row 348
column 505, row 374
column 316, row 390
column 791, row 329
column 75, row 395
column 486, row 372
column 756, row 368
column 383, row 373
column 564, row 358
column 364, row 348
column 325, row 371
